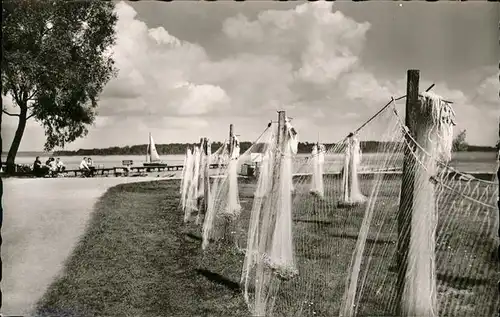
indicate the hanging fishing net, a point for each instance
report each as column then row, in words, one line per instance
column 223, row 221
column 323, row 234
column 223, row 201
column 309, row 253
column 351, row 193
column 442, row 233
column 205, row 158
column 318, row 161
column 270, row 255
column 192, row 178
column 186, row 177
column 343, row 259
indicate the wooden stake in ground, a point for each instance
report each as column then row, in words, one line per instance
column 407, row 184
column 498, row 201
column 230, row 147
column 276, row 171
column 207, row 150
column 231, row 140
column 420, row 287
column 201, row 182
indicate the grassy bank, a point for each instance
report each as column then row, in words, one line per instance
column 137, row 258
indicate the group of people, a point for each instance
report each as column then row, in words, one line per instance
column 87, row 167
column 51, row 167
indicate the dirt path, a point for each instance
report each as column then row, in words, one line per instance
column 43, row 220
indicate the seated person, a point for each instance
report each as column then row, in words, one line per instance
column 84, row 167
column 60, row 165
column 52, row 166
column 38, row 168
column 91, row 166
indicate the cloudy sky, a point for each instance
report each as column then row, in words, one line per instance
column 188, row 69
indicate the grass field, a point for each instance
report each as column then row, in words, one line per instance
column 137, row 258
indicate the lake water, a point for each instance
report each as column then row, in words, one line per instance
column 463, row 161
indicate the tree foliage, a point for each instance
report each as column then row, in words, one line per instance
column 56, row 61
column 459, row 143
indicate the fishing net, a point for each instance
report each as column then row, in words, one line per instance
column 196, row 168
column 318, row 157
column 186, row 177
column 361, row 228
column 192, row 178
column 222, row 220
column 269, row 256
column 324, row 231
column 337, row 258
column 351, row 193
column 442, row 233
column 220, row 156
column 205, row 157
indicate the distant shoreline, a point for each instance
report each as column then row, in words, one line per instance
column 180, row 149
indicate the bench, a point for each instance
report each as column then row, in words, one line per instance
column 121, row 170
column 127, row 162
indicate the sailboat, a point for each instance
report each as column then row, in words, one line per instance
column 152, row 157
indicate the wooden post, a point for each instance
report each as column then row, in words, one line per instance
column 207, row 150
column 498, row 200
column 278, row 159
column 200, row 176
column 227, row 222
column 407, row 185
column 231, row 140
column 498, row 179
column 348, row 172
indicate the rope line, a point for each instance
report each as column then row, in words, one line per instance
column 406, row 131
column 460, row 193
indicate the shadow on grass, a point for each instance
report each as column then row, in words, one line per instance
column 317, row 222
column 325, row 223
column 368, row 240
column 219, row 279
column 462, row 283
column 193, row 236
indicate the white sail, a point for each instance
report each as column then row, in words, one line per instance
column 152, row 153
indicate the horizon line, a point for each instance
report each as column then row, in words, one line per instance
column 188, row 143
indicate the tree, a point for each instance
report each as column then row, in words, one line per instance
column 56, row 61
column 459, row 143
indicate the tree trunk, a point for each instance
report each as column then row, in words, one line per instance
column 1, row 139
column 14, row 147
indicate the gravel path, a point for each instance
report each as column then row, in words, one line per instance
column 43, row 220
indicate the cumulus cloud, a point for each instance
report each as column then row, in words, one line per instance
column 305, row 60
column 488, row 91
column 279, row 58
column 300, row 60
column 155, row 69
column 311, row 49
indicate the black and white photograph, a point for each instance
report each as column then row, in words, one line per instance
column 250, row 158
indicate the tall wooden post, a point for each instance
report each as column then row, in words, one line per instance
column 230, row 147
column 231, row 140
column 276, row 171
column 207, row 150
column 405, row 211
column 498, row 179
column 201, row 178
